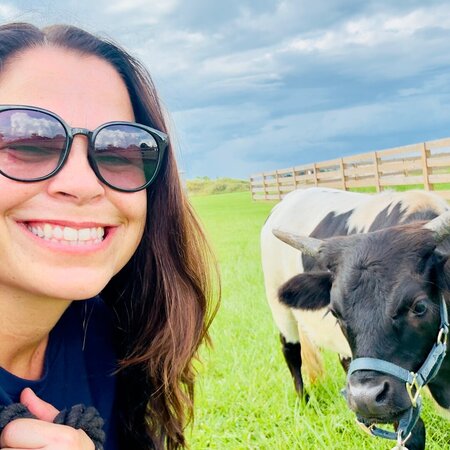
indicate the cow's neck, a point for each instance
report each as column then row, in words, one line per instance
column 440, row 386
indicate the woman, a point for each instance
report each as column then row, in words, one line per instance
column 83, row 214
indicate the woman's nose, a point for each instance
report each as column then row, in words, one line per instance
column 76, row 180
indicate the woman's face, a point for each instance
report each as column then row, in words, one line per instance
column 86, row 92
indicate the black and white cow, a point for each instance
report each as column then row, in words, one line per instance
column 377, row 263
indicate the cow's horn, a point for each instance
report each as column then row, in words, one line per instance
column 440, row 225
column 305, row 244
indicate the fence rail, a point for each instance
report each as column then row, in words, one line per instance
column 424, row 166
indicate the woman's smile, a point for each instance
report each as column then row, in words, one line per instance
column 68, row 235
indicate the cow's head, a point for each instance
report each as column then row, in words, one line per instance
column 384, row 289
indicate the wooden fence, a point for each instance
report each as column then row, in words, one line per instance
column 422, row 166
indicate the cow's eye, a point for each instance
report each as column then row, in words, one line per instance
column 419, row 308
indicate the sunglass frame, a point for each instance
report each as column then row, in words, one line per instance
column 161, row 138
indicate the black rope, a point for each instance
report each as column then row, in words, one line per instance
column 80, row 417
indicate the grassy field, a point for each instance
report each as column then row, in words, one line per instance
column 245, row 396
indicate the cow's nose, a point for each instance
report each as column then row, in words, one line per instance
column 369, row 396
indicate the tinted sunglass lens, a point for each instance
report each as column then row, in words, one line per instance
column 126, row 156
column 31, row 143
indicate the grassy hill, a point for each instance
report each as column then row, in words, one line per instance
column 207, row 186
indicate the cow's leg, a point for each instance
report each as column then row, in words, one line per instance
column 417, row 439
column 292, row 355
column 289, row 335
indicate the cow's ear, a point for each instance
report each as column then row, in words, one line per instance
column 309, row 290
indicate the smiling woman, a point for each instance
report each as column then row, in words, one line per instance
column 105, row 279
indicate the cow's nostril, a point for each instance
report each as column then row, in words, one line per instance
column 382, row 395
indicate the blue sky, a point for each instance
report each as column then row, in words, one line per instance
column 258, row 85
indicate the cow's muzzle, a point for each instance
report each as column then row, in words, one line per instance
column 376, row 396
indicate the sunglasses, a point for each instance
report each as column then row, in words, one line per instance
column 35, row 144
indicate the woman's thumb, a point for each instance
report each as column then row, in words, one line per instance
column 41, row 409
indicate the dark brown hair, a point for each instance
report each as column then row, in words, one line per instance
column 162, row 299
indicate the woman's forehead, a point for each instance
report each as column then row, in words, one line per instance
column 83, row 89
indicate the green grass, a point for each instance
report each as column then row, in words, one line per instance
column 245, row 398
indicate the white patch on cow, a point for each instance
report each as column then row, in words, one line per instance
column 302, row 210
column 410, row 202
column 281, row 266
column 420, row 200
column 364, row 215
column 322, row 330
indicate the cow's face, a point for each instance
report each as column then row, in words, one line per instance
column 383, row 289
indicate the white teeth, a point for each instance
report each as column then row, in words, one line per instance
column 57, row 232
column 84, row 234
column 70, row 234
column 73, row 236
column 47, row 231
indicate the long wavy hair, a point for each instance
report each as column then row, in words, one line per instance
column 166, row 296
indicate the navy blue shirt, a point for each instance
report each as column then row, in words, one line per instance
column 79, row 365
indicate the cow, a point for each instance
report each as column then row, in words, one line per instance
column 365, row 276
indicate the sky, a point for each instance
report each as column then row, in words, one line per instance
column 258, row 85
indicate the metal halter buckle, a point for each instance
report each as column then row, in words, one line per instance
column 409, row 388
column 442, row 336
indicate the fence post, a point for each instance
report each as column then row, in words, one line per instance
column 264, row 185
column 277, row 181
column 376, row 172
column 425, row 169
column 344, row 184
column 316, row 183
column 295, row 178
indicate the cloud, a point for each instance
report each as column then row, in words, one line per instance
column 25, row 124
column 153, row 8
column 8, row 12
column 373, row 30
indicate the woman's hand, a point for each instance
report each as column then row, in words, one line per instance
column 42, row 433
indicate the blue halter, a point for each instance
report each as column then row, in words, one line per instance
column 414, row 381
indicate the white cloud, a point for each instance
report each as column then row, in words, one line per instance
column 8, row 12
column 373, row 30
column 25, row 124
column 147, row 8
